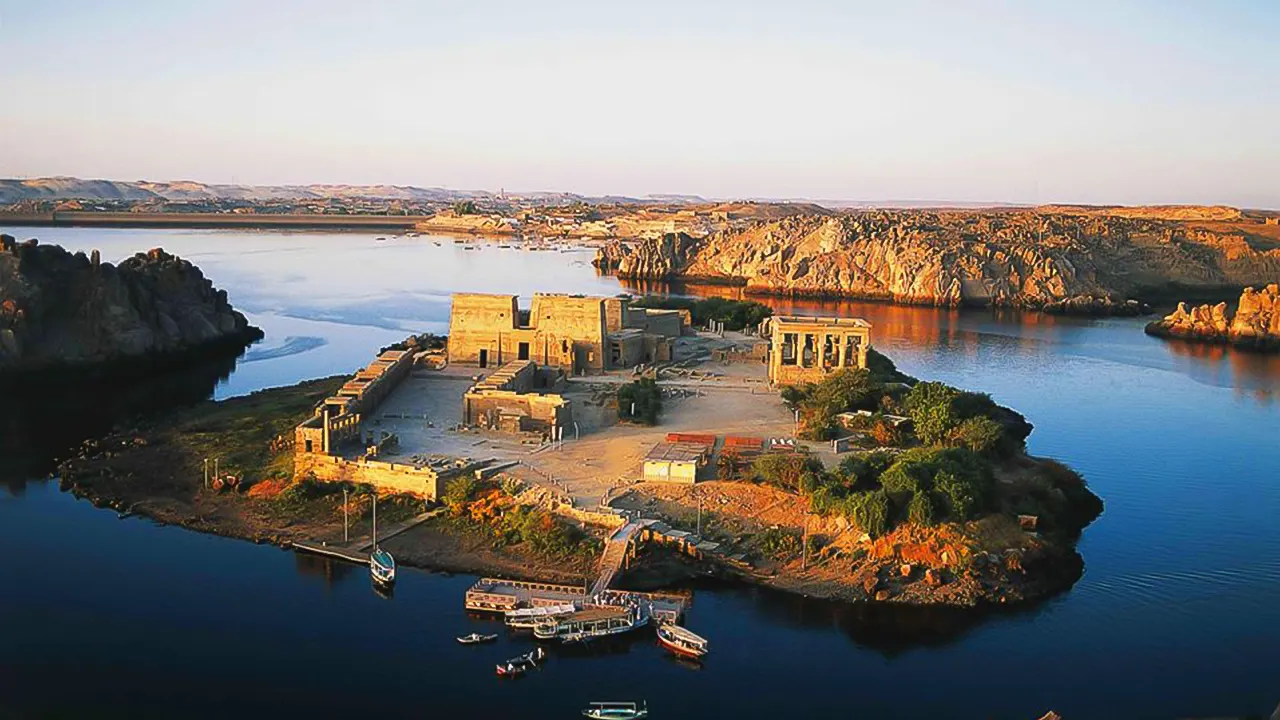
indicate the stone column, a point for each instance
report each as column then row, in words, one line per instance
column 324, row 444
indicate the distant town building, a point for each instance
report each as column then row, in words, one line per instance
column 807, row 349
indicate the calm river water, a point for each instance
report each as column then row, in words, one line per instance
column 1178, row 613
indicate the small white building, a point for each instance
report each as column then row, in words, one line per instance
column 674, row 462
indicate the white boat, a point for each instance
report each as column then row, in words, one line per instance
column 616, row 710
column 590, row 623
column 476, row 639
column 528, row 618
column 682, row 641
column 382, row 566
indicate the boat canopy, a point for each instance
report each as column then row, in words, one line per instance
column 684, row 635
column 538, row 612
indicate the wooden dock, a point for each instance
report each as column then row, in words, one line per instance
column 340, row 552
column 357, row 551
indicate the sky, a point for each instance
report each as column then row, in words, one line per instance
column 1127, row 102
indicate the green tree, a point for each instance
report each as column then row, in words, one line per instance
column 930, row 405
column 979, row 434
column 464, row 207
column 870, row 511
column 960, row 495
column 459, row 493
column 640, row 401
column 784, row 470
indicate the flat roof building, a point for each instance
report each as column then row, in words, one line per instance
column 675, row 462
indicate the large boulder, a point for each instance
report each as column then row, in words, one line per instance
column 1255, row 324
column 59, row 308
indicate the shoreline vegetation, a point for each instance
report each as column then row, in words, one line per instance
column 942, row 518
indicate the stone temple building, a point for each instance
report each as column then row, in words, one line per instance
column 579, row 334
column 807, row 349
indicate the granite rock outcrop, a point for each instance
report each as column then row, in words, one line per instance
column 1081, row 263
column 1255, row 323
column 59, row 309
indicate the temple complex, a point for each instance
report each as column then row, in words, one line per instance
column 580, row 334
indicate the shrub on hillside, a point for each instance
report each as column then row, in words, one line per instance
column 871, row 512
column 921, row 510
column 979, row 434
column 459, row 493
column 932, row 410
column 886, row 434
column 784, row 470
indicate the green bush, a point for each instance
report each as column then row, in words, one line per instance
column 959, row 479
column 464, row 207
column 979, row 434
column 920, row 510
column 932, row 410
column 839, row 392
column 960, row 496
column 645, row 397
column 784, row 470
column 779, row 543
column 907, row 477
column 870, row 511
column 459, row 492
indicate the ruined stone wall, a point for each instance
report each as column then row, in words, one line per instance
column 543, row 412
column 392, row 477
column 616, row 312
column 667, row 323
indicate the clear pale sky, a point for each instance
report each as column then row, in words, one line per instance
column 1076, row 101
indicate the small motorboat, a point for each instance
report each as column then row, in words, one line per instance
column 476, row 639
column 512, row 669
column 616, row 710
column 535, row 656
column 682, row 641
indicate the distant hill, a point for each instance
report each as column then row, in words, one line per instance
column 70, row 188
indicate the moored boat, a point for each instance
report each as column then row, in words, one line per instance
column 682, row 641
column 382, row 566
column 592, row 622
column 512, row 669
column 476, row 639
column 529, row 618
column 616, row 711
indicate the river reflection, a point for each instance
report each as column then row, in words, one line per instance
column 43, row 418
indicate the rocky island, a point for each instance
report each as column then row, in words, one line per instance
column 60, row 310
column 1254, row 325
column 836, row 476
column 1055, row 259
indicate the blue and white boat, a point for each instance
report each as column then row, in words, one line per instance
column 381, row 565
